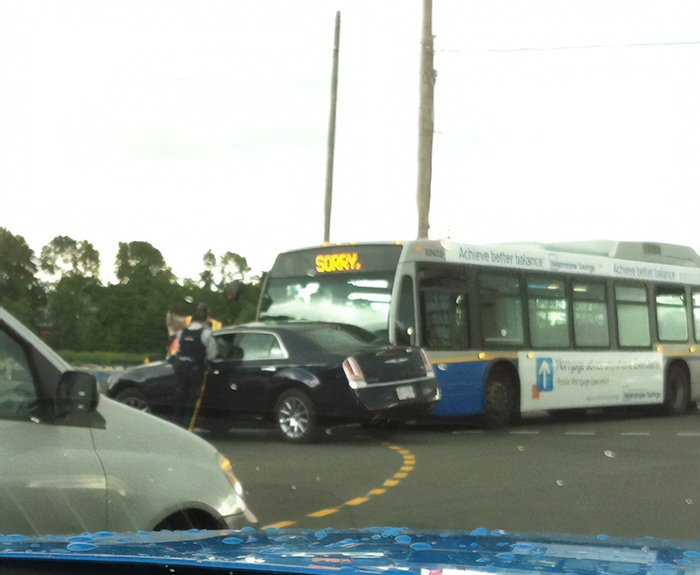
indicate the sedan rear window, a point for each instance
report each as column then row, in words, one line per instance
column 334, row 340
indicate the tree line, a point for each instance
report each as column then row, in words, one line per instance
column 58, row 293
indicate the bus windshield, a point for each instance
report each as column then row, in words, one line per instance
column 361, row 300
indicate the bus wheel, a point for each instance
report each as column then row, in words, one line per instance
column 676, row 391
column 500, row 398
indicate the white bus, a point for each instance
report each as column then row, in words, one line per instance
column 514, row 328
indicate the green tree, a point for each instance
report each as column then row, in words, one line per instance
column 20, row 291
column 207, row 276
column 139, row 261
column 73, row 299
column 63, row 255
column 232, row 267
column 73, row 305
column 134, row 310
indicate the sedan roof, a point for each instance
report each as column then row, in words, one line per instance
column 324, row 336
column 300, row 327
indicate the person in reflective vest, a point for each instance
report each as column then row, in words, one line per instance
column 176, row 324
column 196, row 346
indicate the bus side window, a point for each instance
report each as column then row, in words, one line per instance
column 671, row 315
column 632, row 316
column 696, row 314
column 501, row 310
column 406, row 318
column 445, row 319
column 549, row 324
column 590, row 315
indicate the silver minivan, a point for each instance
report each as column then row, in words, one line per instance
column 72, row 461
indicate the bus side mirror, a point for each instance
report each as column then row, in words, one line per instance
column 265, row 302
column 403, row 334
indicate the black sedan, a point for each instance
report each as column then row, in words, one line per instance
column 297, row 376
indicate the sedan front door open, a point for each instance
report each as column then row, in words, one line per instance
column 240, row 381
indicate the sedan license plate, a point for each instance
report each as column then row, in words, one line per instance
column 405, row 392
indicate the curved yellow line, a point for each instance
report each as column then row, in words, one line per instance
column 409, row 461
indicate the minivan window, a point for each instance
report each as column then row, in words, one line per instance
column 17, row 387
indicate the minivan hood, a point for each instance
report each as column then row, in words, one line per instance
column 142, row 492
column 147, row 434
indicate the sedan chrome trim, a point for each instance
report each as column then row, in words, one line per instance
column 402, row 382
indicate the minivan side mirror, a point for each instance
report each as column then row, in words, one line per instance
column 77, row 395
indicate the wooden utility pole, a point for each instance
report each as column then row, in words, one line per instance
column 331, row 135
column 425, row 120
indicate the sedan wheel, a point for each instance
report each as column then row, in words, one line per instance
column 295, row 416
column 134, row 398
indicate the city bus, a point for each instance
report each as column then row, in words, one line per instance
column 514, row 328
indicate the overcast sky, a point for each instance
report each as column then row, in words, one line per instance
column 202, row 124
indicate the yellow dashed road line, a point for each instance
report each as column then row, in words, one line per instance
column 280, row 525
column 409, row 462
column 356, row 501
column 321, row 513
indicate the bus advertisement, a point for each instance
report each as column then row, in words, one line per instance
column 514, row 328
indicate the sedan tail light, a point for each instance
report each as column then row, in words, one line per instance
column 353, row 372
column 426, row 363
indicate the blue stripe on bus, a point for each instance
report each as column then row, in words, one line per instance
column 461, row 387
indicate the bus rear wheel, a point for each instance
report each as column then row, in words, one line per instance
column 676, row 391
column 500, row 398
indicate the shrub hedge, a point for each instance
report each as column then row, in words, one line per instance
column 106, row 358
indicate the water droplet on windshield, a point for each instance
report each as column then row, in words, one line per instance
column 80, row 547
column 232, row 541
column 609, row 453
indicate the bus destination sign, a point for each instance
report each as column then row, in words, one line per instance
column 330, row 263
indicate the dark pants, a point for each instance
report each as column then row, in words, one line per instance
column 189, row 379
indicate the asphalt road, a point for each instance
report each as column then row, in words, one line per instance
column 618, row 474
